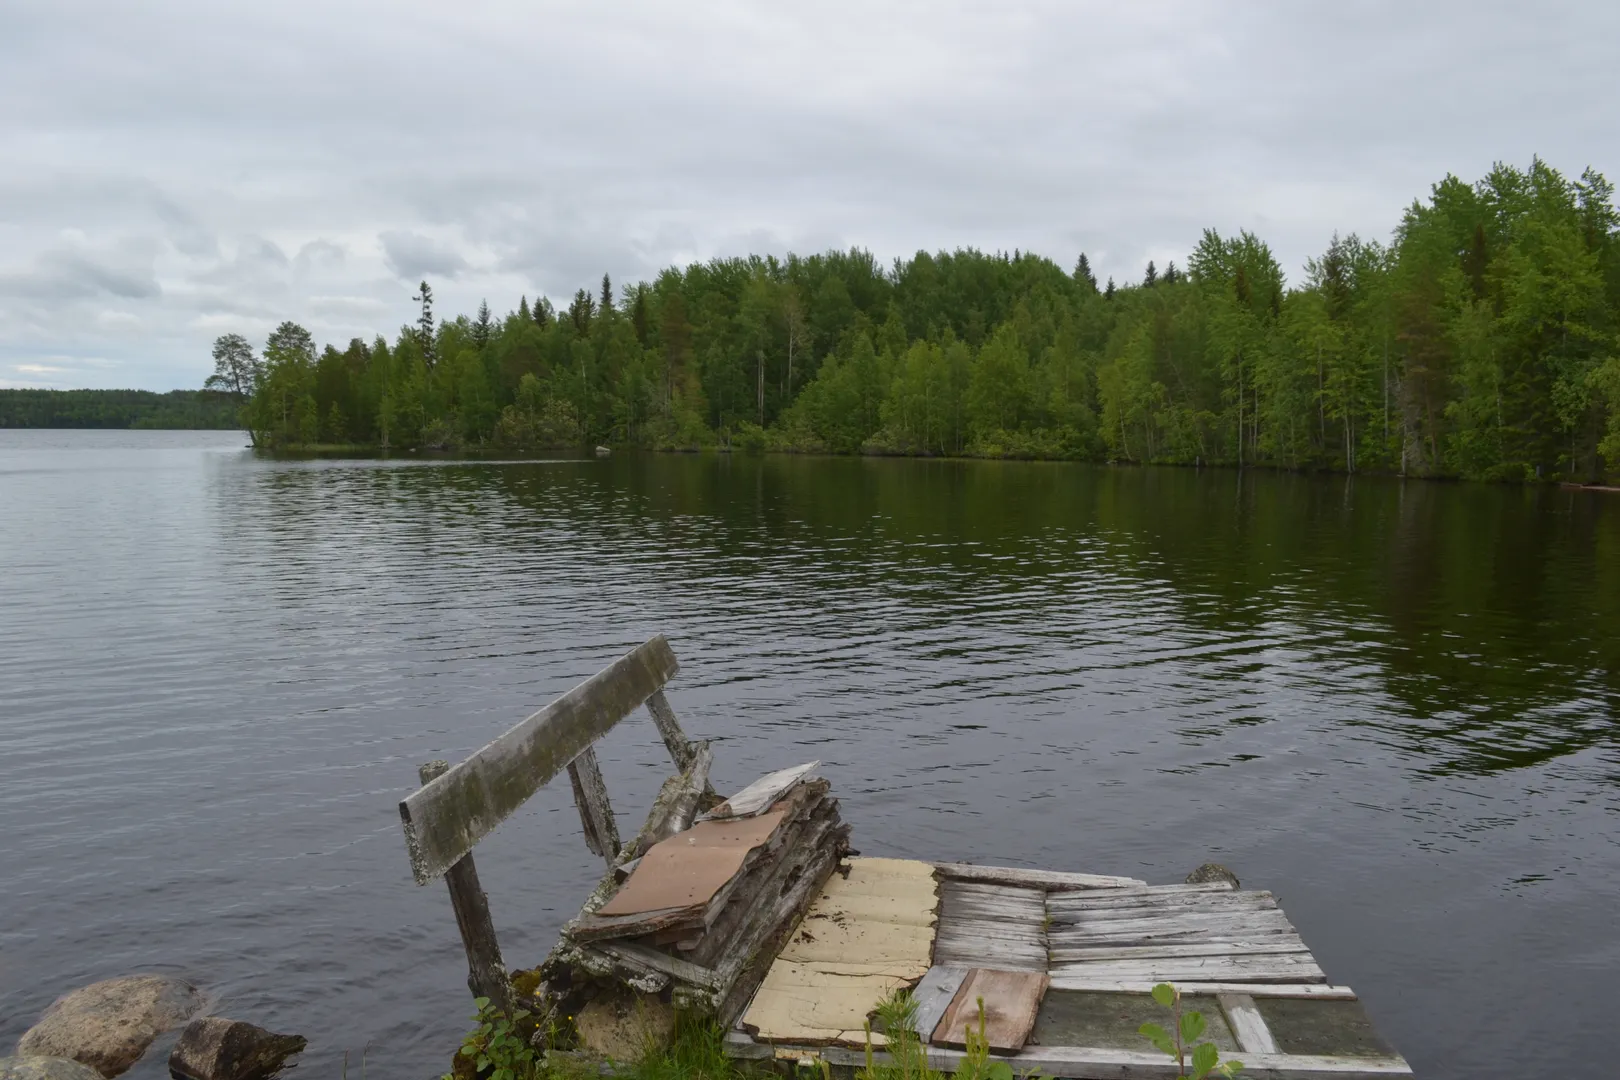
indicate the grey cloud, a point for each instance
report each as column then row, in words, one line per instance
column 412, row 255
column 65, row 274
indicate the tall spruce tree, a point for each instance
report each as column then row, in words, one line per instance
column 481, row 325
column 424, row 325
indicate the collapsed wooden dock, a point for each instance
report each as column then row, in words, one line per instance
column 754, row 911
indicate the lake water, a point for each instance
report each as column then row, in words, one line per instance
column 1393, row 704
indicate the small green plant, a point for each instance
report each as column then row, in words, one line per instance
column 908, row 1051
column 1206, row 1058
column 496, row 1044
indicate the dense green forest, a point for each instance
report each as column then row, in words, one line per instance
column 119, row 409
column 1479, row 342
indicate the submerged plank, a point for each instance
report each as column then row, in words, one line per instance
column 1010, row 1000
column 443, row 819
column 1052, row 880
column 1248, row 1026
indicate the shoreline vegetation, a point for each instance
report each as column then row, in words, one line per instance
column 1480, row 342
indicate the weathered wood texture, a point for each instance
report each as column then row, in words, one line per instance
column 676, row 805
column 1105, row 985
column 1010, row 1001
column 934, row 995
column 1050, row 880
column 991, row 926
column 445, row 818
column 486, row 972
column 1097, row 1063
column 1204, row 933
column 595, row 812
column 675, row 741
column 1248, row 1026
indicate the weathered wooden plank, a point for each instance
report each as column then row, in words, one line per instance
column 675, row 807
column 1077, row 979
column 1284, row 967
column 759, row 796
column 1105, row 1064
column 1051, row 880
column 675, row 741
column 486, row 971
column 1229, row 901
column 684, row 970
column 1248, row 1026
column 1258, row 947
column 933, row 996
column 595, row 811
column 1168, row 924
column 445, row 818
column 1010, row 1001
column 1082, row 898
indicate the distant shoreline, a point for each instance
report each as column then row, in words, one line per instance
column 121, row 410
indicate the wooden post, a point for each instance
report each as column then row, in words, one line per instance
column 486, row 973
column 680, row 750
column 595, row 812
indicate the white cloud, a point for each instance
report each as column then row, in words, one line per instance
column 180, row 168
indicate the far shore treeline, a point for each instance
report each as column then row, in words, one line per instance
column 194, row 409
column 1481, row 342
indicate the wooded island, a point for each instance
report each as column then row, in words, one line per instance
column 1479, row 342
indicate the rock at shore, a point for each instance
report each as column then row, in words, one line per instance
column 214, row 1048
column 108, row 1025
column 1212, row 871
column 45, row 1068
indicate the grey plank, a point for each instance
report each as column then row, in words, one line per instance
column 1248, row 1026
column 934, row 993
column 486, row 971
column 684, row 970
column 1315, row 991
column 675, row 740
column 595, row 811
column 445, row 818
column 1142, row 890
column 1285, row 967
column 1040, row 879
column 1259, row 947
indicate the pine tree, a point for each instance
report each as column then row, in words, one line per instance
column 481, row 324
column 1108, row 293
column 1083, row 274
column 1171, row 274
column 606, row 304
column 523, row 307
column 424, row 325
column 542, row 312
column 1151, row 278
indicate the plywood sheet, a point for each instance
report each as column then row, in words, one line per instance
column 690, row 867
column 867, row 934
column 1011, row 1001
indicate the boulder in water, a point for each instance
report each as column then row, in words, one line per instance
column 1212, row 871
column 214, row 1048
column 108, row 1025
column 45, row 1068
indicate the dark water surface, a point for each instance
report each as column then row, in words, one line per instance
column 1394, row 704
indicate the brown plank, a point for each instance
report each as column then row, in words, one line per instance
column 690, row 867
column 1011, row 1000
column 445, row 818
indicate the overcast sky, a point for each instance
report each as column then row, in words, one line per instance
column 170, row 171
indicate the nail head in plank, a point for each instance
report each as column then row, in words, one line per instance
column 1248, row 1026
column 445, row 818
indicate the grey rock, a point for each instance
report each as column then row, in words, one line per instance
column 1212, row 871
column 214, row 1048
column 108, row 1025
column 45, row 1068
